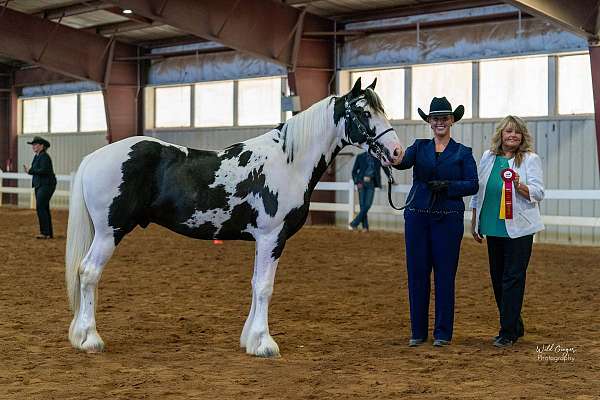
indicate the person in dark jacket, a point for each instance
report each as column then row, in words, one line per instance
column 44, row 182
column 444, row 171
column 366, row 175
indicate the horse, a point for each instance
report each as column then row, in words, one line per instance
column 258, row 190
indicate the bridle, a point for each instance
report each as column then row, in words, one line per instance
column 369, row 136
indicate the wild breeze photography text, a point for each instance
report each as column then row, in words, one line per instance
column 555, row 353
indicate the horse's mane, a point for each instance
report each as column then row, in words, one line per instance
column 298, row 132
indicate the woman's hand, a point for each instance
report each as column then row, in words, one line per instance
column 478, row 238
column 523, row 190
column 26, row 168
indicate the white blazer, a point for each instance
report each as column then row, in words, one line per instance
column 526, row 212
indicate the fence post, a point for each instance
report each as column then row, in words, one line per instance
column 32, row 199
column 350, row 200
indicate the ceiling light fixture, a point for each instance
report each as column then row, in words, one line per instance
column 127, row 11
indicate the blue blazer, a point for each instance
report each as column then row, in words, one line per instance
column 456, row 165
column 360, row 166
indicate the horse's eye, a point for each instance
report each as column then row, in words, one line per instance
column 367, row 114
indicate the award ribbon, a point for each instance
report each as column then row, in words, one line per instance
column 506, row 209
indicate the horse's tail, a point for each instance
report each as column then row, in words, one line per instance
column 80, row 233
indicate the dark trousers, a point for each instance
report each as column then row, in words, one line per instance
column 432, row 242
column 43, row 194
column 508, row 267
column 365, row 200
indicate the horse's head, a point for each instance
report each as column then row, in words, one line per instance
column 366, row 124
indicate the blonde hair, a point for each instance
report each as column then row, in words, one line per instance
column 519, row 126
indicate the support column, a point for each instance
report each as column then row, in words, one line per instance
column 595, row 66
column 8, row 131
column 123, row 100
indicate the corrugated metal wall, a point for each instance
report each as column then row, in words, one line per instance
column 567, row 146
column 209, row 138
column 66, row 150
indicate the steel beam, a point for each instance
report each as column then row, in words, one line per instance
column 76, row 54
column 410, row 10
column 32, row 76
column 578, row 16
column 595, row 66
column 260, row 27
column 58, row 48
column 73, row 9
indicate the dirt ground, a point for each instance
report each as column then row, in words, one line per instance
column 171, row 310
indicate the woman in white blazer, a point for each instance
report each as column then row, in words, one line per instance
column 506, row 212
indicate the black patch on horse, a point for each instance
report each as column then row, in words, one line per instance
column 233, row 151
column 162, row 184
column 244, row 158
column 295, row 219
column 136, row 191
column 242, row 216
column 255, row 184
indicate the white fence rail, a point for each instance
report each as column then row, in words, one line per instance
column 351, row 206
column 29, row 190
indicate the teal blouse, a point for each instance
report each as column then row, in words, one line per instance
column 489, row 222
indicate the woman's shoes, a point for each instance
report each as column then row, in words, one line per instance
column 43, row 237
column 503, row 342
column 415, row 342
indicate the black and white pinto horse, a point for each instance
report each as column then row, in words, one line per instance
column 255, row 190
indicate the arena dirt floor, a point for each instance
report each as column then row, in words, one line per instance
column 171, row 310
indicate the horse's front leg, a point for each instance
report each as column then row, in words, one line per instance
column 258, row 341
column 248, row 323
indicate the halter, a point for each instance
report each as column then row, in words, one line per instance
column 374, row 147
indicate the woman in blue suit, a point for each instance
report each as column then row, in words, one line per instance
column 444, row 171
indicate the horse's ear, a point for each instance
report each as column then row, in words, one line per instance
column 355, row 92
column 372, row 85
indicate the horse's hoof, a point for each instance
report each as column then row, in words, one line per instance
column 88, row 342
column 266, row 348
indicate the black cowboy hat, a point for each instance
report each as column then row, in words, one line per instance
column 441, row 106
column 40, row 140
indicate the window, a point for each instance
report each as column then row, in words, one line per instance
column 454, row 81
column 513, row 86
column 575, row 85
column 173, row 107
column 63, row 113
column 213, row 104
column 390, row 87
column 259, row 101
column 35, row 115
column 93, row 117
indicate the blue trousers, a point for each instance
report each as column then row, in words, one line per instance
column 43, row 194
column 432, row 242
column 365, row 200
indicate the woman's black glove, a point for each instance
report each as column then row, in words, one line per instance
column 438, row 186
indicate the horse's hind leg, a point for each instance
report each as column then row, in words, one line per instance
column 258, row 341
column 82, row 333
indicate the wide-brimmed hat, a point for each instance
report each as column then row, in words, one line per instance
column 40, row 140
column 441, row 106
